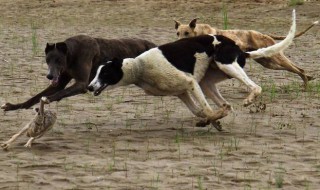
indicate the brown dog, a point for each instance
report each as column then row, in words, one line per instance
column 78, row 58
column 248, row 40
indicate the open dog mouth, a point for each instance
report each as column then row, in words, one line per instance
column 55, row 81
column 99, row 90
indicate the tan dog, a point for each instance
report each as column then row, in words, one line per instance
column 248, row 40
column 42, row 122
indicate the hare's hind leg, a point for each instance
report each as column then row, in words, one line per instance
column 30, row 141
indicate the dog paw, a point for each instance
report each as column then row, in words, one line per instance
column 217, row 125
column 45, row 100
column 258, row 107
column 227, row 107
column 225, row 110
column 7, row 107
column 202, row 123
column 247, row 102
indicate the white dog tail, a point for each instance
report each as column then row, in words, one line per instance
column 278, row 47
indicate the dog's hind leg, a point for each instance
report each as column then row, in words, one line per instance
column 212, row 116
column 188, row 101
column 208, row 86
column 196, row 110
column 6, row 144
column 237, row 72
column 281, row 62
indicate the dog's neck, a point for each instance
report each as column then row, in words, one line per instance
column 130, row 72
column 202, row 29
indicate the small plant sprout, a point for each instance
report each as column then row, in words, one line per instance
column 225, row 17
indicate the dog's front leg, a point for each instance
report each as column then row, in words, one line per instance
column 196, row 110
column 77, row 88
column 34, row 100
column 212, row 116
column 237, row 72
column 187, row 100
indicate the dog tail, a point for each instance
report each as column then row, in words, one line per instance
column 278, row 47
column 296, row 35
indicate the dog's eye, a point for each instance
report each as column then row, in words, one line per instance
column 178, row 33
column 186, row 33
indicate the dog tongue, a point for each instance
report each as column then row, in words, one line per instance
column 54, row 82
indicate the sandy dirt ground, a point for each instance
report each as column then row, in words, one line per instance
column 124, row 139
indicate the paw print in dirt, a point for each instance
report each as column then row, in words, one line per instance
column 257, row 107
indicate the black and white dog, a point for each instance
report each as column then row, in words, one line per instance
column 176, row 69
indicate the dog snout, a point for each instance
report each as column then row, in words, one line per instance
column 49, row 76
column 90, row 88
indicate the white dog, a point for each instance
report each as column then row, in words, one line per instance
column 176, row 69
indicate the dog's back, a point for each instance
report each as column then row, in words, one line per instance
column 123, row 48
column 182, row 53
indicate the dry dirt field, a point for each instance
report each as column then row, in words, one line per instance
column 124, row 139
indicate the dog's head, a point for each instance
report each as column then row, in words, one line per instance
column 108, row 74
column 186, row 30
column 56, row 58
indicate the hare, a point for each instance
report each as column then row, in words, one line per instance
column 42, row 122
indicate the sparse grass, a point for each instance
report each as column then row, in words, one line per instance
column 200, row 183
column 279, row 177
column 225, row 17
column 155, row 182
column 270, row 89
column 296, row 2
column 177, row 141
column 35, row 46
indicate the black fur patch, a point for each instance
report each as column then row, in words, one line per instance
column 227, row 52
column 181, row 53
column 111, row 73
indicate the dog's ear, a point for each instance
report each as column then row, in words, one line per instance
column 193, row 23
column 106, row 59
column 61, row 46
column 177, row 24
column 49, row 47
column 117, row 62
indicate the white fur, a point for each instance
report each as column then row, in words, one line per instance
column 279, row 47
column 95, row 83
column 215, row 41
column 237, row 72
